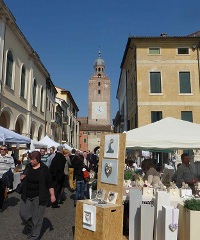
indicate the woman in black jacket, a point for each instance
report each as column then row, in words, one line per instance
column 37, row 188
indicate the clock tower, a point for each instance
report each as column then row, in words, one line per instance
column 99, row 95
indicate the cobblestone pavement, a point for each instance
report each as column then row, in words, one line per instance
column 58, row 223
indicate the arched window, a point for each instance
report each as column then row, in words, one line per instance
column 42, row 96
column 99, row 83
column 9, row 69
column 23, row 77
column 34, row 92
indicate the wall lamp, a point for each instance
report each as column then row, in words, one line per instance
column 195, row 47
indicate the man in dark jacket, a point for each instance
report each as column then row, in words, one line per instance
column 57, row 172
column 79, row 177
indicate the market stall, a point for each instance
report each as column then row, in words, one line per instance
column 168, row 133
column 48, row 142
column 8, row 136
column 168, row 220
column 101, row 218
column 37, row 145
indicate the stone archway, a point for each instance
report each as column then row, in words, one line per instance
column 40, row 133
column 5, row 119
column 32, row 131
column 19, row 126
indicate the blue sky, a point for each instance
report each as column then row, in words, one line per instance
column 67, row 34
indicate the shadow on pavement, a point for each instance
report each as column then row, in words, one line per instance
column 73, row 230
column 46, row 226
column 72, row 196
column 11, row 202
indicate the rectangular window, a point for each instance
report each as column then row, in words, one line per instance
column 184, row 82
column 183, row 50
column 154, row 51
column 84, row 132
column 155, row 82
column 99, row 91
column 187, row 116
column 156, row 116
column 98, row 134
column 84, row 140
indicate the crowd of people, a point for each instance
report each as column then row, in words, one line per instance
column 184, row 172
column 44, row 179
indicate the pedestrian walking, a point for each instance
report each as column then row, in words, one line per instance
column 57, row 172
column 6, row 162
column 44, row 155
column 36, row 191
column 79, row 177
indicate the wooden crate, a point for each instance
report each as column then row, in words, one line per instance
column 109, row 222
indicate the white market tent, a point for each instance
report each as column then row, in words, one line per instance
column 8, row 136
column 49, row 142
column 36, row 145
column 65, row 145
column 168, row 133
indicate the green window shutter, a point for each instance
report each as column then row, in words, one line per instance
column 155, row 82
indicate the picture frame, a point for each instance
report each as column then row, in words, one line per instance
column 111, row 146
column 89, row 217
column 112, row 197
column 109, row 171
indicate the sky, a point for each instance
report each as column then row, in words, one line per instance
column 67, row 35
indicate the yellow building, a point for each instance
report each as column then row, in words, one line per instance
column 162, row 79
column 70, row 124
column 27, row 94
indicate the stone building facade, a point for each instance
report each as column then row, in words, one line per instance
column 70, row 123
column 29, row 102
column 27, row 94
column 160, row 77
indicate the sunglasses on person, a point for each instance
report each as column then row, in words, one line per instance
column 3, row 149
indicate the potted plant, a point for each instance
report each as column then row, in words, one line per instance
column 128, row 174
column 128, row 177
column 192, row 207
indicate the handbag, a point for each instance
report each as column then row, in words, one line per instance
column 8, row 179
column 86, row 175
column 19, row 188
column 20, row 185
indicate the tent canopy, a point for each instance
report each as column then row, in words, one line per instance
column 35, row 144
column 65, row 145
column 8, row 136
column 168, row 133
column 49, row 142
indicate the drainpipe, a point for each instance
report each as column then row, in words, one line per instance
column 197, row 47
column 198, row 63
column 45, row 112
column 3, row 58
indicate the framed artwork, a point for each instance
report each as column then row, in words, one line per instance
column 100, row 194
column 111, row 146
column 112, row 197
column 109, row 171
column 89, row 217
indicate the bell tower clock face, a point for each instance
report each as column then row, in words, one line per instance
column 99, row 110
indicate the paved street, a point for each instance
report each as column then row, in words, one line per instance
column 58, row 223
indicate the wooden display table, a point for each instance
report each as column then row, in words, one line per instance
column 109, row 221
